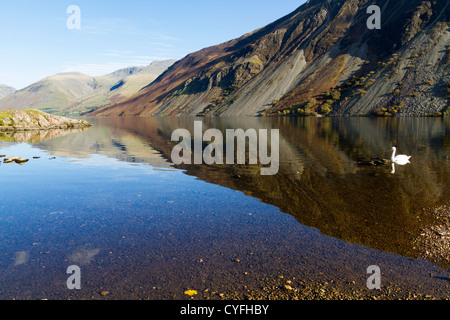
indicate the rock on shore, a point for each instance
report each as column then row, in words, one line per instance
column 25, row 120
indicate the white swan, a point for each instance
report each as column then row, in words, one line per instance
column 400, row 159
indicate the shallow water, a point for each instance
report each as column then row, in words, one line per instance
column 109, row 200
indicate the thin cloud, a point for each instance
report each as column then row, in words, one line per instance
column 105, row 26
column 116, row 53
column 116, row 26
column 109, row 54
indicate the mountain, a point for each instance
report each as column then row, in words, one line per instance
column 73, row 93
column 321, row 58
column 51, row 94
column 5, row 90
column 126, row 84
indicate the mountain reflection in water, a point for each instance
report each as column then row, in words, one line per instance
column 323, row 181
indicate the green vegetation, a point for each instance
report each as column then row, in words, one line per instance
column 2, row 118
column 310, row 104
column 302, row 110
column 361, row 92
column 313, row 107
column 446, row 112
column 435, row 114
column 206, row 110
column 7, row 117
column 448, row 90
column 325, row 109
column 217, row 102
column 332, row 95
column 369, row 83
column 4, row 114
column 387, row 112
column 354, row 82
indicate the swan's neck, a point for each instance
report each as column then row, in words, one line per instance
column 393, row 155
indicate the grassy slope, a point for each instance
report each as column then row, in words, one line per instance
column 75, row 93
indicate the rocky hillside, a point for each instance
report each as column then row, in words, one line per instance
column 5, row 91
column 76, row 93
column 321, row 58
column 25, row 120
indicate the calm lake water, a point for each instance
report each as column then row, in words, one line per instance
column 109, row 200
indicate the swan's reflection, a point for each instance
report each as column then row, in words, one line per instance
column 398, row 163
column 393, row 168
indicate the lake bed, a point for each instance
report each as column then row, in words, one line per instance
column 109, row 200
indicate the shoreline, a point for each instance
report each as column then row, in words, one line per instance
column 35, row 120
column 15, row 130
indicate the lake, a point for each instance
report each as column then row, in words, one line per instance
column 109, row 200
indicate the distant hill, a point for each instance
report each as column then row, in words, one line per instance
column 124, row 86
column 322, row 58
column 75, row 93
column 5, row 90
column 51, row 94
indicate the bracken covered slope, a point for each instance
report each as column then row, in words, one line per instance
column 321, row 58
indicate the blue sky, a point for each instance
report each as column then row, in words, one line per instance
column 114, row 34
